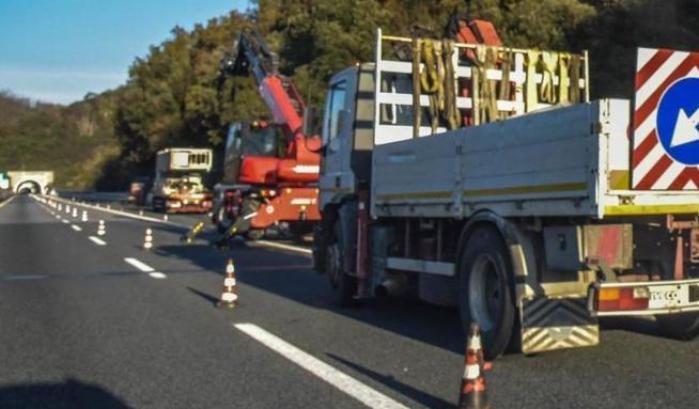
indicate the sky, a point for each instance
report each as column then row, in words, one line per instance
column 59, row 50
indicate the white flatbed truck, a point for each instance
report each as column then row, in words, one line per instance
column 528, row 223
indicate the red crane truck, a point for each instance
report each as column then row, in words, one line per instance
column 262, row 188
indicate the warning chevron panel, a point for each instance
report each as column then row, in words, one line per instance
column 666, row 121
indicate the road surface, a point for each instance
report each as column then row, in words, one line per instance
column 91, row 321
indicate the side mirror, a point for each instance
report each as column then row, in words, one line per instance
column 311, row 119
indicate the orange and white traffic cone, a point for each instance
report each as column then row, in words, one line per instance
column 229, row 296
column 473, row 389
column 101, row 229
column 148, row 240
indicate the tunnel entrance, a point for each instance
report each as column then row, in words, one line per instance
column 27, row 187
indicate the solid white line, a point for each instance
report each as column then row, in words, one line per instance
column 97, row 241
column 76, row 228
column 340, row 380
column 23, row 277
column 3, row 204
column 282, row 246
column 139, row 265
column 157, row 275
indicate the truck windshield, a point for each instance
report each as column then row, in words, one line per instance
column 244, row 140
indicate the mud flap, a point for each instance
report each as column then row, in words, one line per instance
column 556, row 323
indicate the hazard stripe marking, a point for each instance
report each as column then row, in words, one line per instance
column 345, row 383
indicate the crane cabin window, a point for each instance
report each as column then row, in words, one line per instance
column 335, row 105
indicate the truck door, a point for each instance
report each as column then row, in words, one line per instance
column 336, row 176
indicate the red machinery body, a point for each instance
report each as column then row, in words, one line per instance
column 289, row 204
column 294, row 172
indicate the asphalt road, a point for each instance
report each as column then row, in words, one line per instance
column 80, row 327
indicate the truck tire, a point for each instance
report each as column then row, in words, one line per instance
column 254, row 234
column 344, row 285
column 486, row 290
column 679, row 326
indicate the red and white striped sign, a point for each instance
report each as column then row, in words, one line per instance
column 653, row 167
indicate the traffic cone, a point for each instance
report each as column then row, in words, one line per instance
column 67, row 209
column 229, row 296
column 100, row 228
column 84, row 218
column 164, row 217
column 75, row 212
column 140, row 212
column 60, row 207
column 473, row 388
column 148, row 240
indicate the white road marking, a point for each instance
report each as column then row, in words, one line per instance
column 139, row 265
column 282, row 246
column 97, row 241
column 3, row 204
column 76, row 228
column 145, row 268
column 345, row 383
column 23, row 277
column 65, row 221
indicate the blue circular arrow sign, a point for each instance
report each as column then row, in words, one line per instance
column 678, row 121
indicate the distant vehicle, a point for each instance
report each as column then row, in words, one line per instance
column 138, row 191
column 178, row 186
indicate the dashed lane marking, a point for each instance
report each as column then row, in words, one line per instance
column 345, row 383
column 97, row 241
column 65, row 221
column 76, row 228
column 145, row 268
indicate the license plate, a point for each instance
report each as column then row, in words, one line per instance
column 667, row 296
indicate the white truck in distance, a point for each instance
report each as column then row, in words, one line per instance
column 178, row 185
column 529, row 215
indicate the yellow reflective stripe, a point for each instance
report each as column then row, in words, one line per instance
column 513, row 190
column 645, row 210
column 422, row 195
column 557, row 187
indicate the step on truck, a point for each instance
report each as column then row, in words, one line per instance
column 530, row 208
column 178, row 185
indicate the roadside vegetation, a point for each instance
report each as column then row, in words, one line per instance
column 173, row 96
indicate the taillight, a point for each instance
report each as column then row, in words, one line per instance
column 623, row 298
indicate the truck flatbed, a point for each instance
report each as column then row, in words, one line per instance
column 556, row 162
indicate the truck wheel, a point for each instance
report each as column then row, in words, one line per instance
column 254, row 234
column 486, row 290
column 679, row 326
column 344, row 285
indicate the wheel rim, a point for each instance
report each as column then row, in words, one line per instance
column 485, row 295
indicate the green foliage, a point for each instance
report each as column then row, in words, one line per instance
column 174, row 96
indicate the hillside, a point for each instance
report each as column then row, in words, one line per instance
column 173, row 97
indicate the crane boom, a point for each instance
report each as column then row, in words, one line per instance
column 251, row 54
